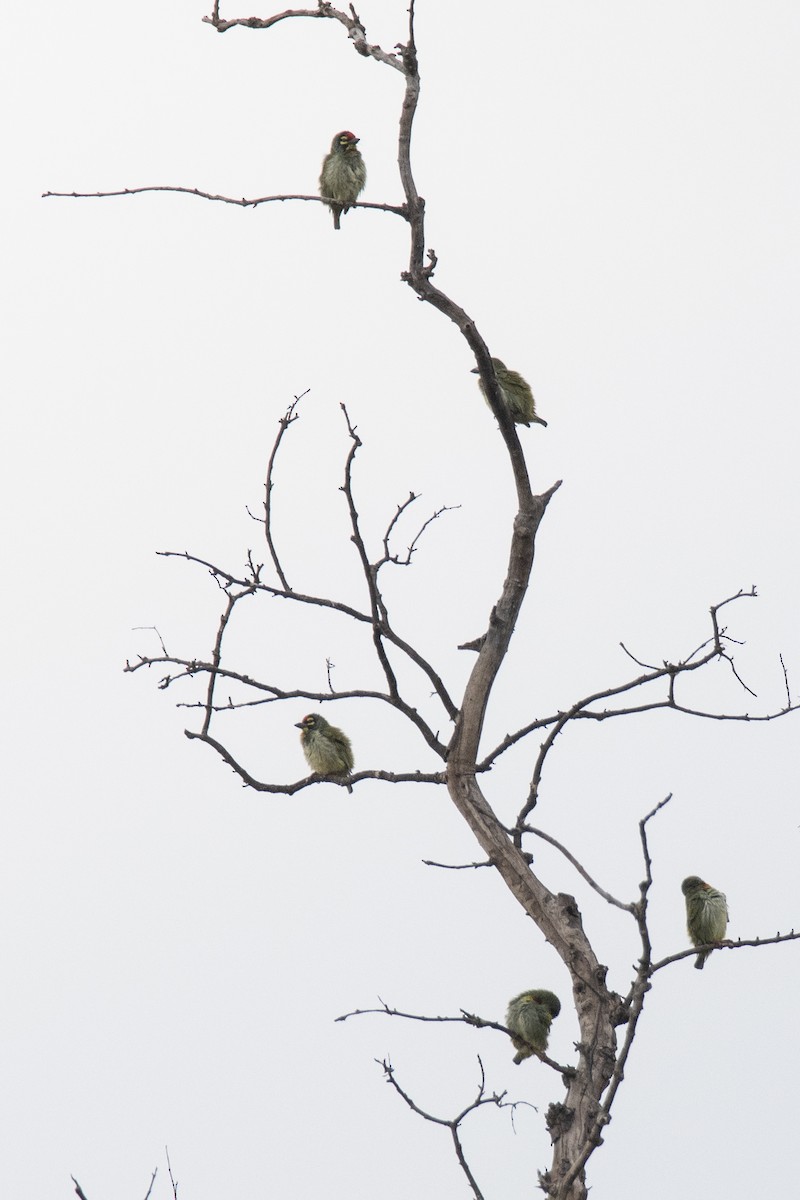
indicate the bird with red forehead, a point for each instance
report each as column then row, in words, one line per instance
column 343, row 174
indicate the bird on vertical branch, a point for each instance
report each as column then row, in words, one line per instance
column 343, row 176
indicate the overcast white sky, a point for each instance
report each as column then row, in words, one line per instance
column 613, row 192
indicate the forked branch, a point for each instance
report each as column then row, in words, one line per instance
column 452, row 1123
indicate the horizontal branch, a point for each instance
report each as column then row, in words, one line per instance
column 242, row 202
column 739, row 944
column 427, row 862
column 289, row 789
column 264, row 22
column 466, row 1018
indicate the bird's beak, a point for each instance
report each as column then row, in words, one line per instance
column 299, row 725
column 474, row 371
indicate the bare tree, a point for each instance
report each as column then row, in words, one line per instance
column 608, row 1021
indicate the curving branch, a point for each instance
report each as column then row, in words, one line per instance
column 387, row 556
column 289, row 789
column 352, row 23
column 570, row 857
column 496, row 1098
column 379, row 612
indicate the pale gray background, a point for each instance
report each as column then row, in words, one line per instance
column 613, row 193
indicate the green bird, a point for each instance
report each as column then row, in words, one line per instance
column 516, row 392
column 706, row 915
column 343, row 175
column 327, row 749
column 530, row 1015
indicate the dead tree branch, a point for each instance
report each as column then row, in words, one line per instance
column 466, row 1018
column 547, row 837
column 739, row 944
column 286, row 420
column 241, row 202
column 496, row 1098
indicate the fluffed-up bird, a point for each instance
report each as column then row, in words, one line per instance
column 343, row 174
column 530, row 1015
column 327, row 749
column 706, row 915
column 516, row 392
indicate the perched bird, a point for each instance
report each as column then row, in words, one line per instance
column 530, row 1015
column 327, row 749
column 343, row 175
column 516, row 393
column 706, row 915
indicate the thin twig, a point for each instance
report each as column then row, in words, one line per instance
column 786, row 682
column 171, row 1179
column 496, row 1099
column 381, row 625
column 457, row 866
column 242, row 202
column 380, row 615
column 233, row 599
column 288, row 418
column 155, row 630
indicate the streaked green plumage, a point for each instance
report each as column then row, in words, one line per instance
column 343, row 175
column 530, row 1015
column 516, row 393
column 706, row 915
column 327, row 749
